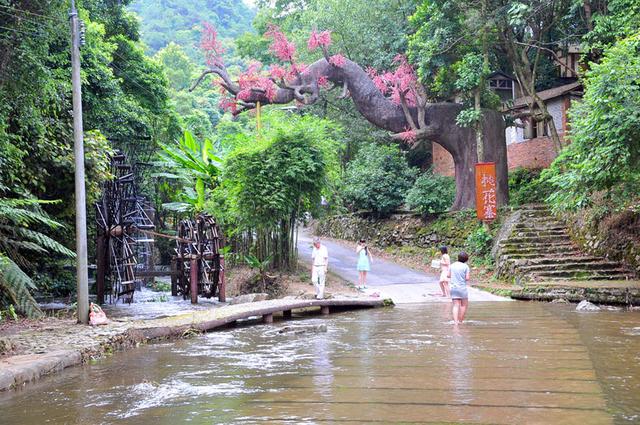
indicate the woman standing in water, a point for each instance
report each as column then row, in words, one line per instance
column 460, row 274
column 364, row 263
column 445, row 262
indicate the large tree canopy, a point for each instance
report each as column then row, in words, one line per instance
column 391, row 100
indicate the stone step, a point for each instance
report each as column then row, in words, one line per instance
column 523, row 227
column 561, row 279
column 540, row 221
column 526, row 240
column 533, row 253
column 528, row 207
column 534, row 259
column 580, row 274
column 593, row 266
column 510, row 246
column 536, row 212
column 522, row 256
column 518, row 233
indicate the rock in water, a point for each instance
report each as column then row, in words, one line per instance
column 587, row 306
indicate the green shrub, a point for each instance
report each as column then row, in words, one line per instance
column 479, row 241
column 526, row 187
column 55, row 281
column 377, row 180
column 431, row 193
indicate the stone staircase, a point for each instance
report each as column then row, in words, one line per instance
column 535, row 246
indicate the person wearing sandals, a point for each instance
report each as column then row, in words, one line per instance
column 364, row 263
column 445, row 262
column 460, row 274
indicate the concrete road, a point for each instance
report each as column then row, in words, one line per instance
column 389, row 280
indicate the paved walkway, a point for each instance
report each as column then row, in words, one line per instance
column 402, row 284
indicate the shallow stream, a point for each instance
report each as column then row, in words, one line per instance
column 512, row 363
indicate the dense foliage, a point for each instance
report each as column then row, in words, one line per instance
column 258, row 176
column 377, row 179
column 180, row 21
column 431, row 193
column 525, row 187
column 605, row 129
column 367, row 32
column 271, row 178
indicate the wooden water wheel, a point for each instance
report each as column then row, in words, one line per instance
column 198, row 258
column 120, row 217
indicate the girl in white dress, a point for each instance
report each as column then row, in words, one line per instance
column 445, row 262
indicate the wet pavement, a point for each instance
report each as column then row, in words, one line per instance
column 511, row 363
column 386, row 279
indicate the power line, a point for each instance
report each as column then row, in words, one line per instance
column 124, row 75
column 129, row 76
column 132, row 81
column 19, row 31
column 22, row 18
column 52, row 18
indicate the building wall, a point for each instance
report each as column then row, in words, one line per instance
column 557, row 109
column 531, row 153
column 521, row 152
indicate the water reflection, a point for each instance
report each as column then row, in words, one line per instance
column 461, row 369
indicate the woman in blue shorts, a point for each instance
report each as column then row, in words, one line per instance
column 459, row 274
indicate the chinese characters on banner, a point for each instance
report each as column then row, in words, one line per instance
column 486, row 191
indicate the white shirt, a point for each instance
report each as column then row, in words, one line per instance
column 320, row 256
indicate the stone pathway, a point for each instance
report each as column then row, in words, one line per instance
column 403, row 285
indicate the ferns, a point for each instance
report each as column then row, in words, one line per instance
column 14, row 289
column 16, row 239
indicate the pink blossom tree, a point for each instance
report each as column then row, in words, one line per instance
column 393, row 100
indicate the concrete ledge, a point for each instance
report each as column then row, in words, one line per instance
column 626, row 293
column 17, row 371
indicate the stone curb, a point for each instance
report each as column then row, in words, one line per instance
column 17, row 371
column 624, row 296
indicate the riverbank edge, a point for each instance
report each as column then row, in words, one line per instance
column 621, row 294
column 18, row 371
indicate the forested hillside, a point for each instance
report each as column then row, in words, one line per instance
column 164, row 21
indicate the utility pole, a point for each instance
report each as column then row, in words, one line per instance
column 78, row 150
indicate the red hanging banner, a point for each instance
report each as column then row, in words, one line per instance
column 486, row 191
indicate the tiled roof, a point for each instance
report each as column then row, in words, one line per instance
column 546, row 94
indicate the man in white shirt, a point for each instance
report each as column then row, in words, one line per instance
column 320, row 262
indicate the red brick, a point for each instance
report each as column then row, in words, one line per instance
column 532, row 153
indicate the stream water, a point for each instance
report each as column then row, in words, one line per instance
column 512, row 363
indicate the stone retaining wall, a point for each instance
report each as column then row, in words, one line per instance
column 615, row 236
column 451, row 229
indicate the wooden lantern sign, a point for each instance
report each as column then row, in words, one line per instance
column 486, row 191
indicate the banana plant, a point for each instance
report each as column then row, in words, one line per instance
column 194, row 164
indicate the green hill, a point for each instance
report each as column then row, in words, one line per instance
column 163, row 21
